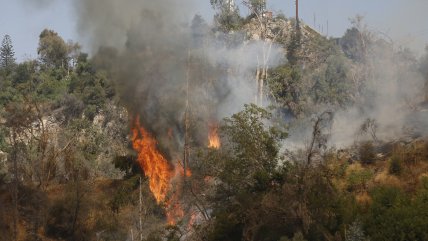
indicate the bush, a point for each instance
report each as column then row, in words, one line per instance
column 367, row 152
column 395, row 216
column 358, row 179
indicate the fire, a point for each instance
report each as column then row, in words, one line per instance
column 213, row 138
column 174, row 211
column 155, row 166
column 160, row 172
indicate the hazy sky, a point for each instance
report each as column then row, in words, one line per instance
column 406, row 21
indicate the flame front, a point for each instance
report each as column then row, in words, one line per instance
column 159, row 171
column 154, row 164
column 213, row 138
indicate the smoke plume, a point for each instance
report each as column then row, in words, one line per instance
column 390, row 99
column 165, row 62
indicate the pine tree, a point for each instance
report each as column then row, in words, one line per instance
column 7, row 55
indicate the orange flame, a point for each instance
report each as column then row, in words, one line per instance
column 159, row 171
column 213, row 138
column 155, row 166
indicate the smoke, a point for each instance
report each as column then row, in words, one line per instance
column 165, row 63
column 406, row 24
column 390, row 100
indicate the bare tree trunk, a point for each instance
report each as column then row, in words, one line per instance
column 258, row 81
column 262, row 65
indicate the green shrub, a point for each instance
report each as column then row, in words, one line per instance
column 358, row 179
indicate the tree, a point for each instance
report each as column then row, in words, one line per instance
column 319, row 138
column 243, row 169
column 252, row 147
column 331, row 84
column 227, row 16
column 357, row 40
column 257, row 6
column 199, row 30
column 53, row 51
column 7, row 55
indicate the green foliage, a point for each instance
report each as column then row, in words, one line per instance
column 91, row 87
column 395, row 216
column 251, row 148
column 331, row 84
column 294, row 47
column 7, row 55
column 353, row 44
column 50, row 89
column 24, row 75
column 53, row 51
column 286, row 87
column 73, row 107
column 8, row 93
column 358, row 179
column 227, row 17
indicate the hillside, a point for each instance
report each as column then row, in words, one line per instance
column 244, row 129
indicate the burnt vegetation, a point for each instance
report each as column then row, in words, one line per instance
column 68, row 170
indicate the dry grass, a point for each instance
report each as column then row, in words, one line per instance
column 384, row 178
column 363, row 199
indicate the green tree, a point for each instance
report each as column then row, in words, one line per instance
column 227, row 17
column 245, row 167
column 7, row 55
column 357, row 40
column 331, row 83
column 252, row 149
column 53, row 51
column 287, row 88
